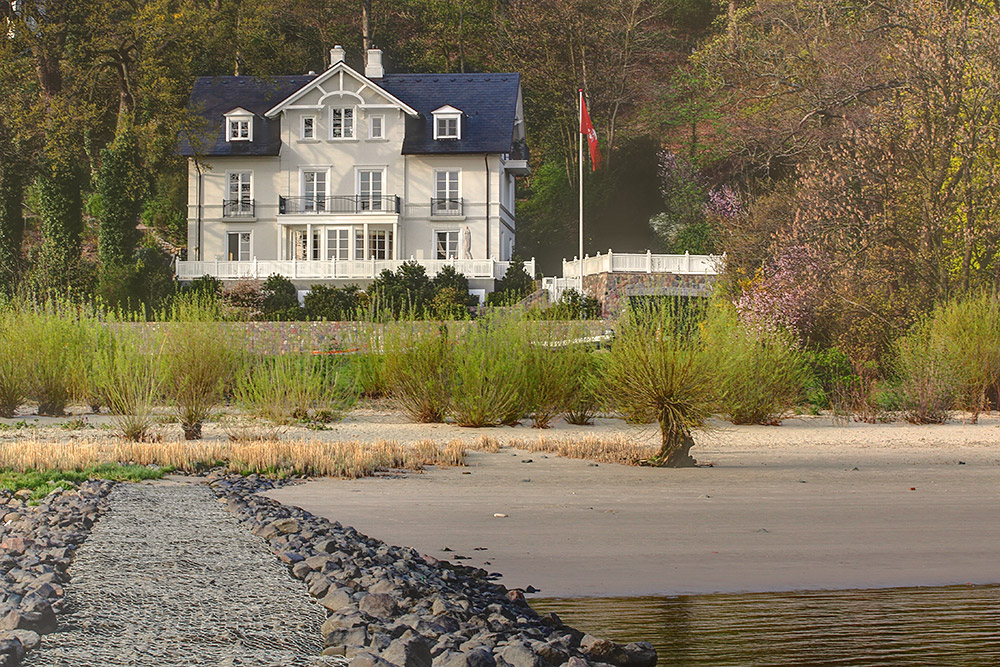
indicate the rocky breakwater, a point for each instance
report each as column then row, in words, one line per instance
column 37, row 543
column 391, row 606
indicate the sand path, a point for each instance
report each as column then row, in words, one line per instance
column 804, row 506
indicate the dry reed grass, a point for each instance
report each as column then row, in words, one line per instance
column 619, row 450
column 280, row 458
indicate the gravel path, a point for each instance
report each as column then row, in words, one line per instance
column 168, row 577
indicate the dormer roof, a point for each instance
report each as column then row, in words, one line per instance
column 337, row 70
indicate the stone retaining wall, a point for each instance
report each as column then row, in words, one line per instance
column 613, row 289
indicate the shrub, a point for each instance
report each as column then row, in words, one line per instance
column 15, row 377
column 418, row 369
column 925, row 384
column 657, row 370
column 514, row 286
column 966, row 337
column 332, row 304
column 552, row 373
column 829, row 372
column 199, row 363
column 574, row 306
column 126, row 380
column 58, row 339
column 206, row 285
column 245, row 298
column 449, row 304
column 585, row 390
column 489, row 364
column 279, row 299
column 407, row 291
column 761, row 374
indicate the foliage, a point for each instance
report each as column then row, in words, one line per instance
column 585, row 389
column 126, row 379
column 199, row 362
column 574, row 306
column 59, row 339
column 120, row 187
column 418, row 369
column 43, row 482
column 488, row 371
column 514, row 286
column 760, row 373
column 245, row 298
column 925, row 384
column 280, row 299
column 407, row 291
column 14, row 365
column 553, row 374
column 657, row 370
column 332, row 304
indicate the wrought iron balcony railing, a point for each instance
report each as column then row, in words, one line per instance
column 338, row 204
column 446, row 206
column 238, row 208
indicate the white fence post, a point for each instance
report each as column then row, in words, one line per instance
column 687, row 262
column 649, row 261
column 611, row 262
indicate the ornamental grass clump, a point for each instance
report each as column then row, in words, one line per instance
column 199, row 364
column 125, row 377
column 488, row 371
column 761, row 372
column 585, row 390
column 657, row 370
column 418, row 369
column 925, row 378
column 552, row 367
column 59, row 340
column 15, row 377
column 965, row 337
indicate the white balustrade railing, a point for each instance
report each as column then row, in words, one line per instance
column 338, row 269
column 623, row 262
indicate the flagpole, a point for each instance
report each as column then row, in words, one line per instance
column 580, row 129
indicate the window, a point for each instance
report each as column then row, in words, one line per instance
column 370, row 190
column 446, row 200
column 359, row 244
column 238, row 246
column 317, row 249
column 342, row 123
column 239, row 201
column 240, row 129
column 446, row 244
column 337, row 244
column 446, row 127
column 375, row 124
column 308, row 127
column 313, row 190
column 380, row 244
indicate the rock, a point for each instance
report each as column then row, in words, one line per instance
column 42, row 621
column 640, row 654
column 603, row 650
column 551, row 653
column 410, row 651
column 368, row 660
column 319, row 586
column 301, row 569
column 577, row 662
column 519, row 654
column 379, row 605
column 29, row 639
column 11, row 517
column 475, row 658
column 290, row 557
column 336, row 599
column 356, row 636
column 11, row 652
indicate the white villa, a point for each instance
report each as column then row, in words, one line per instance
column 332, row 178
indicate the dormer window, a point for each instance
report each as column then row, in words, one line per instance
column 239, row 125
column 447, row 123
column 342, row 123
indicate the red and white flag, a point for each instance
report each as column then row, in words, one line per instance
column 587, row 128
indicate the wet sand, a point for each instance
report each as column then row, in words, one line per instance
column 808, row 505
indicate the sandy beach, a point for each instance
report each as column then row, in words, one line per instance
column 807, row 505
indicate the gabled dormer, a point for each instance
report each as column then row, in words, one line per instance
column 447, row 123
column 239, row 125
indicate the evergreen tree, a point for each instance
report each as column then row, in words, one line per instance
column 120, row 186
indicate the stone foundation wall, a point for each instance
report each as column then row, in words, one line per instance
column 613, row 289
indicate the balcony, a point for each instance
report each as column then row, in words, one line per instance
column 362, row 269
column 339, row 204
column 238, row 208
column 446, row 207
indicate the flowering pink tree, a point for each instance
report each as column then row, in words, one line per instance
column 783, row 294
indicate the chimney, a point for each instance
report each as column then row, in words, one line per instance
column 336, row 55
column 373, row 65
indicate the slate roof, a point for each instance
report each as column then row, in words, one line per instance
column 213, row 96
column 488, row 103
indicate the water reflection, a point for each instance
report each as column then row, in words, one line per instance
column 956, row 625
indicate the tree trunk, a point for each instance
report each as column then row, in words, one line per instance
column 675, row 448
column 366, row 26
column 11, row 222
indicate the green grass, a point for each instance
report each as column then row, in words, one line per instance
column 43, row 482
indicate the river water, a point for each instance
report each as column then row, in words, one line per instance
column 956, row 625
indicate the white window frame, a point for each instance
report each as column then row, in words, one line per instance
column 381, row 196
column 302, row 128
column 239, row 245
column 360, row 243
column 386, row 250
column 447, row 117
column 337, row 242
column 448, row 252
column 302, row 186
column 239, row 198
column 238, row 117
column 448, row 210
column 353, row 126
column 381, row 127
